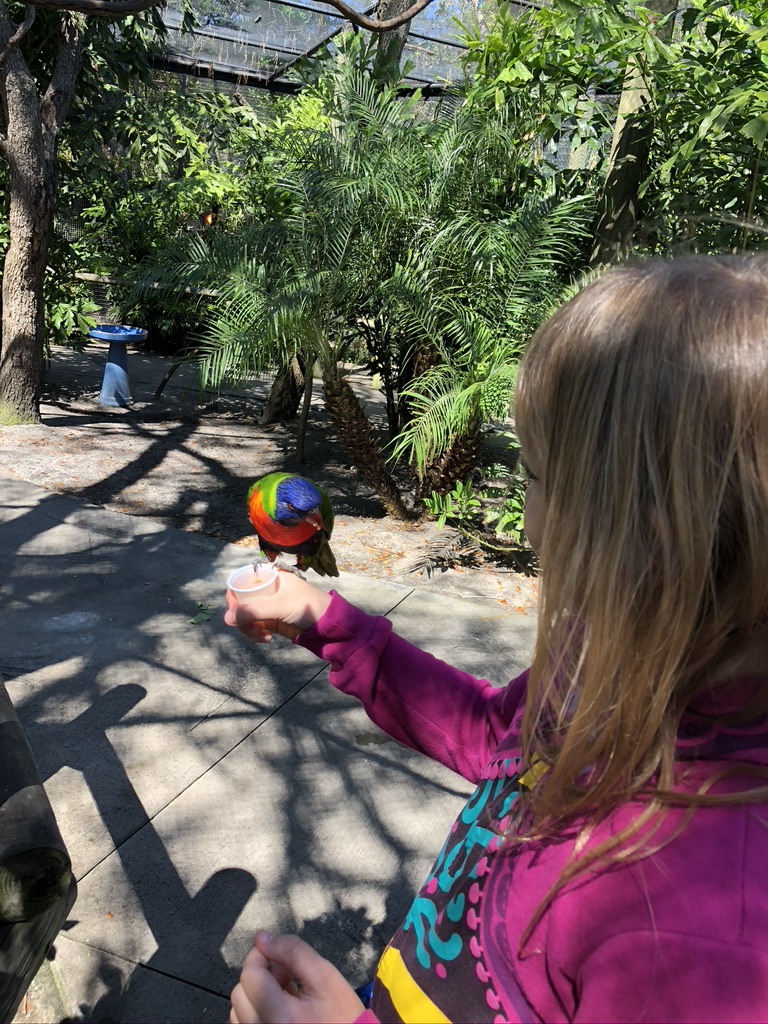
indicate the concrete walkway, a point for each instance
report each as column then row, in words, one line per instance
column 206, row 787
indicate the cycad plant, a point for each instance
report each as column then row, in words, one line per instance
column 475, row 294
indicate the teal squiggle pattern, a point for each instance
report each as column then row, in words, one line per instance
column 450, row 868
column 422, row 917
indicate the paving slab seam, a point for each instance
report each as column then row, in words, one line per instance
column 405, row 770
column 397, row 604
column 274, row 711
column 146, row 966
column 151, row 817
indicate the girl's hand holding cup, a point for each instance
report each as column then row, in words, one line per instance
column 287, row 608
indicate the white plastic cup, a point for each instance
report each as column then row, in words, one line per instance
column 247, row 582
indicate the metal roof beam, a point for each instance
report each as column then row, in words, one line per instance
column 180, row 65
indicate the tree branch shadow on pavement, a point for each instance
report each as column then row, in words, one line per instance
column 73, row 706
column 195, row 475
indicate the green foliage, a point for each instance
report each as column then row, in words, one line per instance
column 202, row 614
column 68, row 304
column 171, row 162
column 353, row 54
column 561, row 69
column 708, row 189
column 477, row 300
column 69, row 314
column 115, row 54
column 503, row 500
column 341, row 203
column 547, row 66
column 146, row 165
column 387, row 235
column 459, row 506
column 490, row 512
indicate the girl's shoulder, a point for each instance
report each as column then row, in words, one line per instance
column 621, row 938
column 699, row 873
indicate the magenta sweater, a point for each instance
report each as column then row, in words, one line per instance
column 678, row 936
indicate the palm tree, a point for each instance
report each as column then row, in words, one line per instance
column 296, row 286
column 487, row 285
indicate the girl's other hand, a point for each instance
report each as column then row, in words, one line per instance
column 284, row 980
column 295, row 606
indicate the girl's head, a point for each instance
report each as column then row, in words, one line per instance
column 642, row 406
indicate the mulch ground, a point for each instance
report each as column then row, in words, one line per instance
column 188, row 465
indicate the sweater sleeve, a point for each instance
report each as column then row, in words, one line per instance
column 665, row 976
column 414, row 697
column 367, row 1017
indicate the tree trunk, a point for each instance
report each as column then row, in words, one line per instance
column 31, row 193
column 388, row 386
column 413, row 367
column 29, row 146
column 627, row 164
column 359, row 441
column 455, row 464
column 285, row 394
column 301, row 433
column 379, row 346
column 617, row 213
column 390, row 45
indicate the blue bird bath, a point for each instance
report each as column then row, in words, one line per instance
column 115, row 385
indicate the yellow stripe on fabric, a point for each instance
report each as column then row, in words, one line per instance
column 410, row 1003
column 534, row 773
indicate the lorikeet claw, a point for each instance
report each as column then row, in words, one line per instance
column 259, row 560
column 281, row 563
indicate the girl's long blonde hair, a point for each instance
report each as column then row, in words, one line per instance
column 645, row 401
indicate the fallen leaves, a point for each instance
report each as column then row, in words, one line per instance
column 202, row 614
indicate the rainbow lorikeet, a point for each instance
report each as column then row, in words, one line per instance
column 292, row 515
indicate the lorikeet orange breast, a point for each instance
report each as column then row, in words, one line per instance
column 292, row 515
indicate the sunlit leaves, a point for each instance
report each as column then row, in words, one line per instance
column 476, row 293
column 706, row 68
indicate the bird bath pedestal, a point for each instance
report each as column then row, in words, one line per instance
column 115, row 386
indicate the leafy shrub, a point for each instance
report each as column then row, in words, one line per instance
column 490, row 512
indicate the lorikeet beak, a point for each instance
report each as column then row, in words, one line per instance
column 314, row 519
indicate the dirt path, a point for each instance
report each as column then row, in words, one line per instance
column 189, row 466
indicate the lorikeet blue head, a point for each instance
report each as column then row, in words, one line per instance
column 297, row 500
